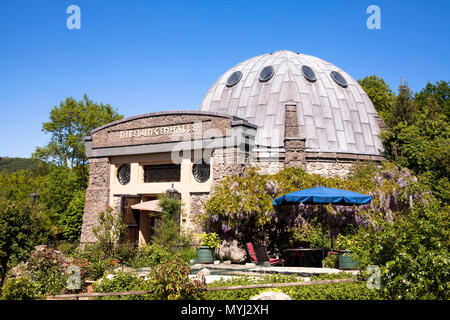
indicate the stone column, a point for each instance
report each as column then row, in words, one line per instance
column 97, row 196
column 294, row 146
column 227, row 162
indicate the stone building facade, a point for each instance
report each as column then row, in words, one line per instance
column 135, row 159
column 273, row 111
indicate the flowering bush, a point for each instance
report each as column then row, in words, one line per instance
column 115, row 263
column 47, row 269
column 241, row 206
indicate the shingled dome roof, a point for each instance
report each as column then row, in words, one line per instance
column 334, row 113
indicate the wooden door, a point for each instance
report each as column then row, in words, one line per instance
column 131, row 218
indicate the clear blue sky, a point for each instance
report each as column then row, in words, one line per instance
column 144, row 55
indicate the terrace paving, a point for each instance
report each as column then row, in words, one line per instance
column 239, row 269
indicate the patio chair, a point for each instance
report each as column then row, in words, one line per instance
column 258, row 254
column 251, row 252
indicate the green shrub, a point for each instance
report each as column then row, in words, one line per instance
column 167, row 281
column 19, row 289
column 333, row 276
column 121, row 282
column 67, row 247
column 101, row 255
column 187, row 253
column 246, row 294
column 126, row 253
column 151, row 255
column 170, row 281
column 332, row 261
column 85, row 270
column 412, row 253
column 93, row 258
column 338, row 291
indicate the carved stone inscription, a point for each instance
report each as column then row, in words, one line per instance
column 155, row 131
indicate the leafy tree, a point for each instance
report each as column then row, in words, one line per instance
column 16, row 230
column 16, row 164
column 69, row 123
column 19, row 184
column 419, row 136
column 167, row 232
column 58, row 189
column 403, row 109
column 379, row 93
column 412, row 252
column 439, row 92
column 72, row 218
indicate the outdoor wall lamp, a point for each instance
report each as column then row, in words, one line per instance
column 34, row 196
column 171, row 191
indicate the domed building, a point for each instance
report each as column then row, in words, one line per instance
column 271, row 111
column 307, row 111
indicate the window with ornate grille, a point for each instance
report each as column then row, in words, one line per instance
column 162, row 173
column 201, row 171
column 123, row 174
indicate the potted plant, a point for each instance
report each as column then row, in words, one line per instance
column 207, row 245
column 347, row 260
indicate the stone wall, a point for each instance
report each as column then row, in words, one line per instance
column 268, row 167
column 329, row 169
column 97, row 196
column 197, row 200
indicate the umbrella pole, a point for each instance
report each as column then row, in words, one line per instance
column 323, row 237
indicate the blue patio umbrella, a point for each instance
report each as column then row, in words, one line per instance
column 323, row 196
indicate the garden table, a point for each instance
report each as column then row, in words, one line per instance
column 305, row 257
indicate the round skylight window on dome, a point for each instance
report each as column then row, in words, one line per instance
column 339, row 79
column 309, row 73
column 234, row 78
column 266, row 74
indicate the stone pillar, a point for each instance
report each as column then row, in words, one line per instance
column 97, row 196
column 294, row 146
column 227, row 162
column 197, row 200
column 291, row 122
